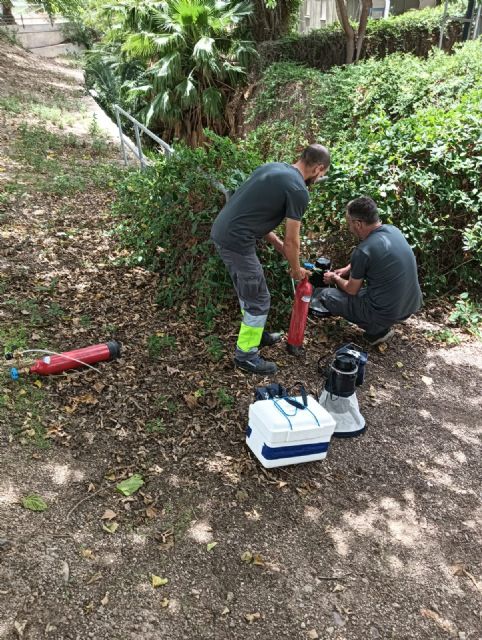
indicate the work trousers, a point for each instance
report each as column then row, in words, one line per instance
column 355, row 309
column 254, row 298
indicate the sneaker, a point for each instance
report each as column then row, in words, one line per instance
column 269, row 339
column 376, row 338
column 257, row 365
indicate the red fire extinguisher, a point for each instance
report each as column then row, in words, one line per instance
column 299, row 314
column 51, row 364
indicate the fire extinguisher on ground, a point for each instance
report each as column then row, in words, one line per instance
column 299, row 315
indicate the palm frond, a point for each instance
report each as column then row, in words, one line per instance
column 204, row 49
column 212, row 100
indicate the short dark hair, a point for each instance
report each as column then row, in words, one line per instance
column 364, row 209
column 316, row 154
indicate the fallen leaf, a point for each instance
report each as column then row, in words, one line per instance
column 281, row 484
column 399, row 364
column 382, row 347
column 443, row 623
column 251, row 617
column 151, row 512
column 109, row 515
column 38, row 384
column 87, row 553
column 247, row 556
column 165, row 602
column 111, row 527
column 94, row 578
column 190, row 400
column 20, row 627
column 225, row 611
column 65, row 571
column 428, row 381
column 211, row 545
column 157, row 581
column 34, row 503
column 131, row 485
column 258, row 560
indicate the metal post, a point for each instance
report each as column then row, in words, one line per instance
column 139, row 147
column 442, row 24
column 475, row 34
column 121, row 134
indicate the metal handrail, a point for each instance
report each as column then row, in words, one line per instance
column 137, row 148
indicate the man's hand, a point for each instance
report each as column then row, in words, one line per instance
column 300, row 273
column 329, row 277
column 344, row 271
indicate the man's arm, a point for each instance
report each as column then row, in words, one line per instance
column 351, row 286
column 291, row 248
column 277, row 243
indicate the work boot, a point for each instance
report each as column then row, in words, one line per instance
column 377, row 338
column 257, row 365
column 269, row 339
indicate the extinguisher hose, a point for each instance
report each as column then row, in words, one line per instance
column 54, row 353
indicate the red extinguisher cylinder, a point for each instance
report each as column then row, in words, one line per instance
column 50, row 365
column 299, row 315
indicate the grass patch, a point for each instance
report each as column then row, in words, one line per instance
column 60, row 164
column 22, row 407
column 156, row 344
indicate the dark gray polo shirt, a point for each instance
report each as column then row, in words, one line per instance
column 386, row 261
column 273, row 192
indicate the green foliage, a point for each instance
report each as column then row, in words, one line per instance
column 173, row 63
column 224, row 398
column 166, row 214
column 445, row 335
column 34, row 503
column 468, row 314
column 404, row 130
column 214, row 347
column 156, row 344
column 412, row 32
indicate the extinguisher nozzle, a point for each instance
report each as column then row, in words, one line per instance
column 114, row 349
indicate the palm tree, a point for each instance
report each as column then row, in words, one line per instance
column 191, row 56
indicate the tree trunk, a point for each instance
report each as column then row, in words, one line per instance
column 342, row 13
column 362, row 27
column 7, row 14
column 271, row 24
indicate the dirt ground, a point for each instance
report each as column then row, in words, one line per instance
column 382, row 540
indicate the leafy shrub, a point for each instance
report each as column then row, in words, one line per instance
column 412, row 32
column 166, row 216
column 403, row 130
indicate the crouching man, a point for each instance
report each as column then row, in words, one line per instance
column 385, row 262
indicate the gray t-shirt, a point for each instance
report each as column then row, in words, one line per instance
column 386, row 261
column 273, row 192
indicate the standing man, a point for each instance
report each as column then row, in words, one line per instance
column 273, row 192
column 386, row 262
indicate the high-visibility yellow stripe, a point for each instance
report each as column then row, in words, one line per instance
column 249, row 338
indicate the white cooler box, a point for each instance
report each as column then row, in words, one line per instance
column 279, row 434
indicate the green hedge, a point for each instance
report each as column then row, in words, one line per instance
column 404, row 130
column 412, row 32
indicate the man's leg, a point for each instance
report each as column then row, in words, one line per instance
column 254, row 298
column 357, row 310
